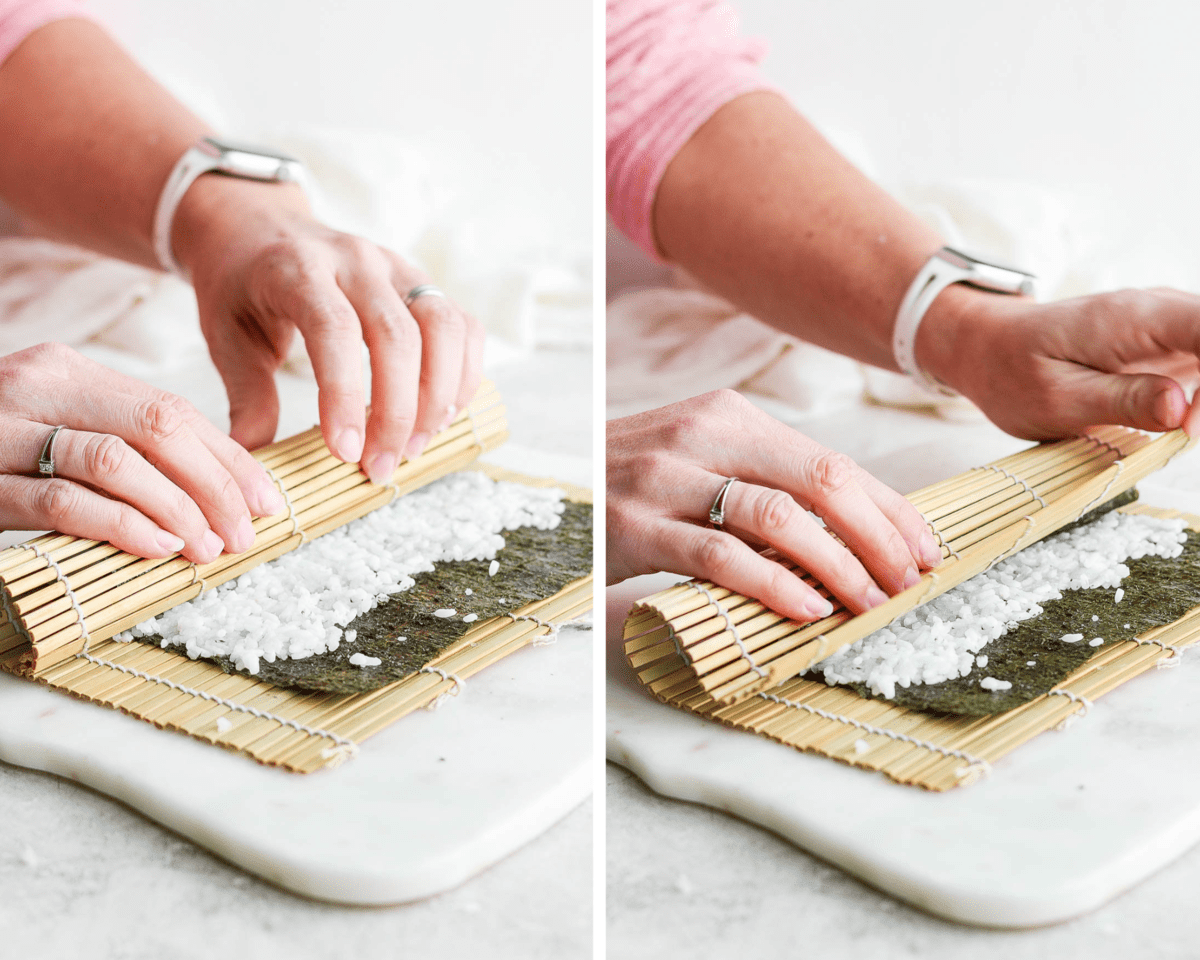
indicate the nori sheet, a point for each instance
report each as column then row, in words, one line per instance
column 1157, row 592
column 534, row 564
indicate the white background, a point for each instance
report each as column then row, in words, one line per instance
column 499, row 93
column 1095, row 101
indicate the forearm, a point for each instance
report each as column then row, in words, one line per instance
column 759, row 207
column 89, row 139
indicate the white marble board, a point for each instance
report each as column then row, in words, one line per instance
column 1066, row 823
column 428, row 803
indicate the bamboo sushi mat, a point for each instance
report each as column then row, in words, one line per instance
column 940, row 751
column 301, row 731
column 728, row 657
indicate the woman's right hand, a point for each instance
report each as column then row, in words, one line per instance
column 666, row 466
column 136, row 466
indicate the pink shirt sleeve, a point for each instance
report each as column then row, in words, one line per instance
column 671, row 64
column 19, row 18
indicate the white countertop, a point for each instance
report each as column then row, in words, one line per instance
column 688, row 881
column 81, row 871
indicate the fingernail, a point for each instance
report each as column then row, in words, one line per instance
column 211, row 546
column 818, row 607
column 450, row 412
column 911, row 577
column 349, row 444
column 168, row 541
column 874, row 597
column 243, row 537
column 381, row 468
column 416, row 445
column 930, row 553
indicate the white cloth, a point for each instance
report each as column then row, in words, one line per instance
column 145, row 323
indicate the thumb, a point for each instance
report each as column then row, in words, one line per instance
column 1144, row 401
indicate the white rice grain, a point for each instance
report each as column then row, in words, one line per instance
column 939, row 641
column 991, row 683
column 362, row 660
column 298, row 605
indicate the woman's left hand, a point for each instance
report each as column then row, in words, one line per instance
column 264, row 268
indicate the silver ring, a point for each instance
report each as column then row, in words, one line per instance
column 716, row 513
column 46, row 460
column 423, row 290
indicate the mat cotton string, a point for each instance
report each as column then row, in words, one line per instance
column 1108, row 486
column 1085, row 707
column 976, row 766
column 542, row 640
column 942, row 540
column 343, row 748
column 737, row 639
column 290, row 506
column 1104, row 443
column 459, row 684
column 1171, row 661
column 1031, row 525
column 1015, row 478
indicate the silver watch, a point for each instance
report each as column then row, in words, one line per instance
column 211, row 155
column 946, row 267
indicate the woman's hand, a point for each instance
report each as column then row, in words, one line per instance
column 1043, row 371
column 135, row 466
column 665, row 468
column 264, row 268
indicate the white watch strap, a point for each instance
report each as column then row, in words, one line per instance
column 192, row 164
column 933, row 278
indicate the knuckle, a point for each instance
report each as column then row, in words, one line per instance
column 843, row 568
column 439, row 317
column 396, row 328
column 896, row 547
column 1131, row 303
column 228, row 490
column 715, row 554
column 831, row 472
column 51, row 352
column 104, row 457
column 161, row 420
column 59, row 501
column 773, row 512
column 329, row 319
column 724, row 401
column 653, row 467
column 279, row 262
column 124, row 527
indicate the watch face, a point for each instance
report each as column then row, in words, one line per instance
column 971, row 259
column 234, row 146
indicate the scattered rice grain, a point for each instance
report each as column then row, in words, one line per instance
column 940, row 640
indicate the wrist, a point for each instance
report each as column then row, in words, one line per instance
column 217, row 210
column 952, row 343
